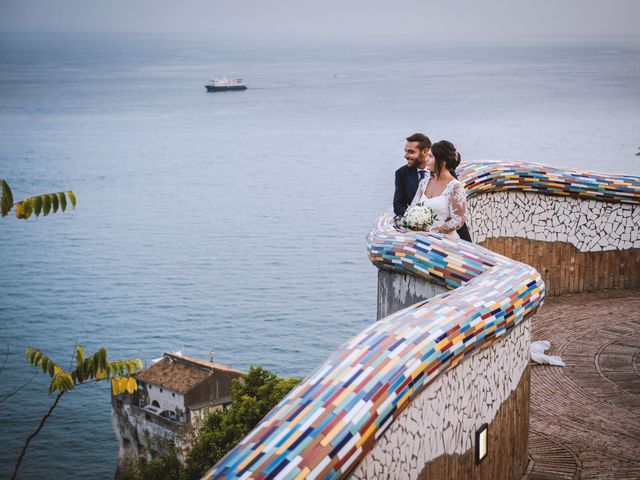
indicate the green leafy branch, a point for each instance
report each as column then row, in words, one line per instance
column 38, row 205
column 93, row 368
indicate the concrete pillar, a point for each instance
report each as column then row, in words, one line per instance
column 399, row 290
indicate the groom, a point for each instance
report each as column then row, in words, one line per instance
column 408, row 176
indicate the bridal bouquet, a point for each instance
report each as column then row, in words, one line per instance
column 418, row 217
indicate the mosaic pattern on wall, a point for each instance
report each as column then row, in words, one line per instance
column 589, row 225
column 327, row 424
column 443, row 418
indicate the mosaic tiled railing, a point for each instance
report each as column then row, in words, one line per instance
column 491, row 176
column 327, row 424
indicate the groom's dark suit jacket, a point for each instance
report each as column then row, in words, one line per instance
column 406, row 188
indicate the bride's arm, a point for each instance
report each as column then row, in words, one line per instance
column 422, row 186
column 457, row 210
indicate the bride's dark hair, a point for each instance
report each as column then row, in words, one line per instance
column 445, row 155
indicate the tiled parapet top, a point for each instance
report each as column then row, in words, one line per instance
column 328, row 423
column 593, row 212
column 493, row 176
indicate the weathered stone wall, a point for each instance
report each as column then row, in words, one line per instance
column 139, row 432
column 398, row 290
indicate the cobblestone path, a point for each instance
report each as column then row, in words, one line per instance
column 585, row 417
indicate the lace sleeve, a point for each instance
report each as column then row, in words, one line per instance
column 457, row 209
column 422, row 187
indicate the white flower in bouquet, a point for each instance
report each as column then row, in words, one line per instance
column 418, row 217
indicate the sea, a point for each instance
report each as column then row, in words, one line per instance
column 231, row 225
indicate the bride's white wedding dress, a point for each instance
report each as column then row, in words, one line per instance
column 450, row 206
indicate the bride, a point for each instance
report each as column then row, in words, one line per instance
column 441, row 191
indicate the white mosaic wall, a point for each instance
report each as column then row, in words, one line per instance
column 590, row 225
column 444, row 417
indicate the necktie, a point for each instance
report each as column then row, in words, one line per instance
column 422, row 173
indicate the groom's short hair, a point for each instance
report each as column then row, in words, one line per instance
column 422, row 139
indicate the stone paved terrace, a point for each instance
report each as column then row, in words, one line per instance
column 585, row 417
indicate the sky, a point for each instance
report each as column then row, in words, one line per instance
column 451, row 19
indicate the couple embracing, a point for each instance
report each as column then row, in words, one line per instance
column 429, row 178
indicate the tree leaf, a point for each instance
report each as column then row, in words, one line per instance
column 29, row 353
column 95, row 364
column 54, row 202
column 46, row 207
column 132, row 385
column 68, row 381
column 122, row 384
column 87, row 366
column 63, row 201
column 37, row 205
column 7, row 199
column 79, row 354
column 37, row 357
column 115, row 386
column 27, row 208
column 19, row 210
column 103, row 357
column 79, row 372
column 44, row 365
column 72, row 197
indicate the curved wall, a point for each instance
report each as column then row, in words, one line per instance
column 435, row 436
column 577, row 244
column 350, row 413
column 327, row 425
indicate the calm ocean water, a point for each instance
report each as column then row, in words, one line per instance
column 235, row 222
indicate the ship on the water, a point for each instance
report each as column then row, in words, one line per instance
column 225, row 84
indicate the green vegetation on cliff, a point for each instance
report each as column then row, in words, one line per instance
column 252, row 397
